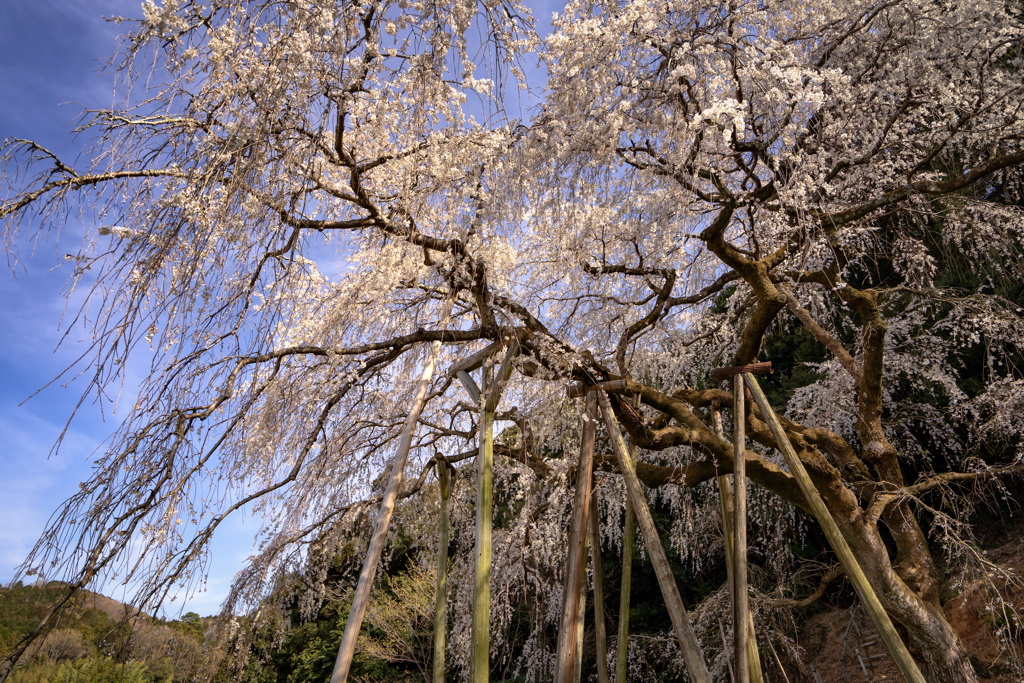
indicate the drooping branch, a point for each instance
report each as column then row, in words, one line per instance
column 883, row 499
column 828, row 578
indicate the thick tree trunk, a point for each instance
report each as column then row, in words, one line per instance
column 929, row 637
column 837, row 539
column 932, row 643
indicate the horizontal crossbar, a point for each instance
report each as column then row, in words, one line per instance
column 615, row 386
column 731, row 371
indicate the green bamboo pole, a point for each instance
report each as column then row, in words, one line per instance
column 565, row 654
column 740, row 605
column 441, row 594
column 347, row 647
column 688, row 644
column 904, row 662
column 595, row 557
column 480, row 636
column 725, row 503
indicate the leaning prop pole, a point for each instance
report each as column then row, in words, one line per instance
column 347, row 648
column 688, row 644
column 480, row 630
column 444, row 481
column 904, row 662
column 565, row 653
column 725, row 502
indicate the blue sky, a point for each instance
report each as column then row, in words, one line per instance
column 51, row 56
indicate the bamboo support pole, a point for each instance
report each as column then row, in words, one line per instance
column 441, row 593
column 565, row 656
column 725, row 502
column 599, row 624
column 347, row 648
column 622, row 640
column 480, row 635
column 740, row 604
column 904, row 662
column 688, row 644
column 480, row 629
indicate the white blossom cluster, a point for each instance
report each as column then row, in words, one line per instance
column 291, row 191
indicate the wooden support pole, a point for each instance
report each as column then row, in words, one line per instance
column 688, row 644
column 577, row 667
column 347, row 648
column 628, row 541
column 904, row 662
column 622, row 639
column 733, row 370
column 726, row 505
column 741, row 606
column 471, row 388
column 565, row 655
column 471, row 363
column 614, row 386
column 480, row 628
column 444, row 481
column 595, row 557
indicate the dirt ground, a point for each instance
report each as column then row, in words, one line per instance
column 985, row 627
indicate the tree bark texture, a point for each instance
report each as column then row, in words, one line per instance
column 830, row 462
